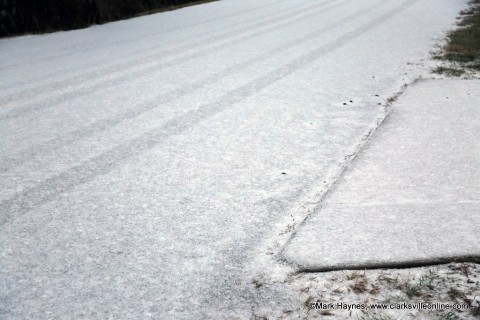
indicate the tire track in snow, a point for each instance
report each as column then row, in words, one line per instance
column 104, row 124
column 104, row 163
column 130, row 53
column 122, row 68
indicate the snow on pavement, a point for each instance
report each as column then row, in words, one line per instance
column 145, row 161
column 412, row 196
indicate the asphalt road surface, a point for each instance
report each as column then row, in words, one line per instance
column 145, row 163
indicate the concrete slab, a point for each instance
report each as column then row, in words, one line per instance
column 412, row 197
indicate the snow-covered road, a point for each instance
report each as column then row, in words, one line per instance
column 145, row 164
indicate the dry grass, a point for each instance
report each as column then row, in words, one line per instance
column 463, row 44
column 446, row 284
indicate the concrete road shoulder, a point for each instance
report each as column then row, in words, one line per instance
column 412, row 196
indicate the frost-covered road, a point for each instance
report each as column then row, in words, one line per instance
column 147, row 164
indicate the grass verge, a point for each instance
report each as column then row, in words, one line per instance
column 442, row 292
column 463, row 44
